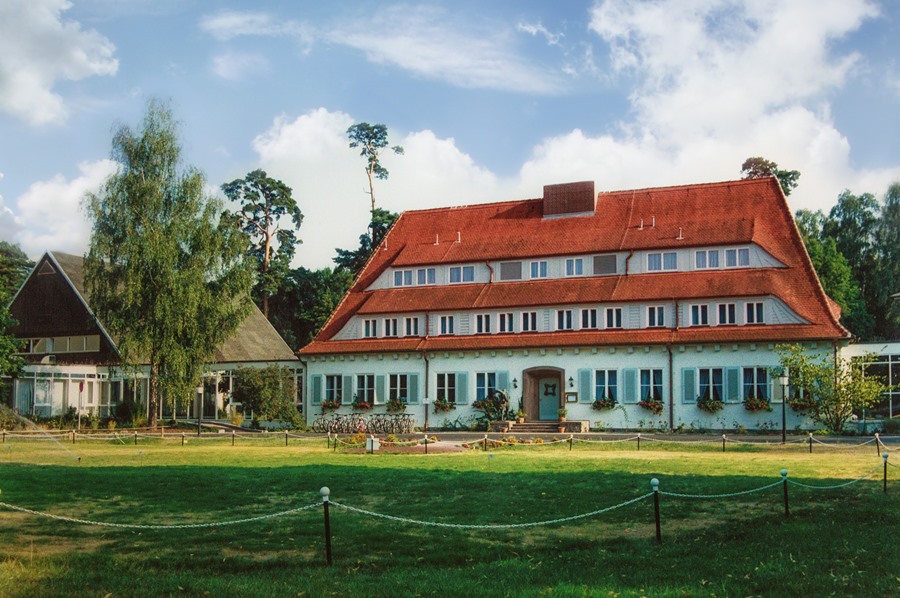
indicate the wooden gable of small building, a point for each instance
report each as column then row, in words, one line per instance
column 53, row 316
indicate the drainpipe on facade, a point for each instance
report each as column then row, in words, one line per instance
column 671, row 391
column 427, row 365
column 627, row 259
column 491, row 270
column 305, row 386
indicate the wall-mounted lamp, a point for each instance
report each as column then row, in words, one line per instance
column 515, row 383
column 571, row 382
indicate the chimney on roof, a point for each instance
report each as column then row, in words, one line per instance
column 569, row 199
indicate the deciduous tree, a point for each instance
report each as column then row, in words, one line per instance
column 266, row 392
column 264, row 203
column 14, row 267
column 166, row 273
column 838, row 387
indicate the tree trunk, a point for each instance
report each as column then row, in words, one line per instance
column 153, row 398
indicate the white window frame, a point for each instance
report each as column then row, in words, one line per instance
column 614, row 315
column 700, row 314
column 589, row 318
column 707, row 259
column 446, row 387
column 426, row 276
column 390, row 327
column 538, row 269
column 334, row 387
column 726, row 308
column 365, row 388
column 754, row 312
column 656, row 316
column 662, row 256
column 482, row 323
column 397, row 383
column 506, row 322
column 370, row 328
column 464, row 274
column 602, row 385
column 447, row 327
column 411, row 326
column 564, row 319
column 485, row 384
column 529, row 321
column 574, row 266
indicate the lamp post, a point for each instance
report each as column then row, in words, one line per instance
column 426, row 400
column 783, row 380
column 199, row 390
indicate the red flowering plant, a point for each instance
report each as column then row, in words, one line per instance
column 330, row 405
column 709, row 404
column 442, row 405
column 361, row 404
column 604, row 404
column 754, row 404
column 654, row 406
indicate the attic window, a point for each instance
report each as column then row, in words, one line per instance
column 47, row 268
column 510, row 270
column 604, row 264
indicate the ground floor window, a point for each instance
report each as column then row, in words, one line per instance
column 446, row 387
column 485, row 384
column 334, row 388
column 365, row 388
column 605, row 385
column 756, row 383
column 651, row 385
column 398, row 387
column 711, row 383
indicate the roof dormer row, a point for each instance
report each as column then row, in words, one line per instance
column 651, row 315
column 689, row 259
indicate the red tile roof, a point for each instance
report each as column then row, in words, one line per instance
column 727, row 213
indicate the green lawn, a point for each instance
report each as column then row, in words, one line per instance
column 840, row 541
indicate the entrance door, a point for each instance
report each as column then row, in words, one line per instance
column 548, row 398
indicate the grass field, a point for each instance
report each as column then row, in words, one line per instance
column 836, row 542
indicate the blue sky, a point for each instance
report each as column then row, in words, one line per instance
column 491, row 100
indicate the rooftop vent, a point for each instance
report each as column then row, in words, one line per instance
column 569, row 199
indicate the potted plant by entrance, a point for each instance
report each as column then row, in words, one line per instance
column 520, row 416
column 562, row 413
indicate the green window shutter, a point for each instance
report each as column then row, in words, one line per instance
column 688, row 385
column 629, row 386
column 503, row 381
column 316, row 381
column 347, row 390
column 380, row 394
column 413, row 386
column 462, row 388
column 584, row 386
column 732, row 385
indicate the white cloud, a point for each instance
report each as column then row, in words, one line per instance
column 50, row 211
column 229, row 24
column 719, row 81
column 234, row 66
column 37, row 48
column 9, row 224
column 535, row 29
column 311, row 154
column 429, row 43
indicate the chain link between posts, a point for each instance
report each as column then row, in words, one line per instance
column 726, row 495
column 831, row 487
column 490, row 526
column 158, row 526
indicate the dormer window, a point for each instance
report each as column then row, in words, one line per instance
column 425, row 276
column 706, row 258
column 737, row 258
column 403, row 278
column 539, row 269
column 574, row 266
column 657, row 262
column 460, row 274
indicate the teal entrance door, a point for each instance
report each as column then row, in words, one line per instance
column 548, row 398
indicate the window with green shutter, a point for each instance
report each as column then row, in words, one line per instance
column 584, row 386
column 629, row 386
column 688, row 386
column 462, row 388
column 316, row 390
